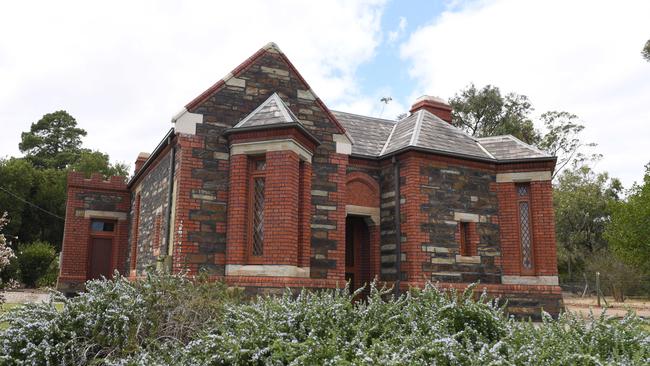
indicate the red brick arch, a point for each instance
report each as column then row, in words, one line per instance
column 362, row 190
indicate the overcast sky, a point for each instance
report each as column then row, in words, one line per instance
column 124, row 68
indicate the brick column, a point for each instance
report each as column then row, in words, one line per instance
column 237, row 235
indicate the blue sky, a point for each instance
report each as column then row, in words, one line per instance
column 124, row 68
column 386, row 71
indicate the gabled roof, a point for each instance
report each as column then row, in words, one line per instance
column 272, row 112
column 422, row 130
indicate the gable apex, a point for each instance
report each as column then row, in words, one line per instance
column 232, row 78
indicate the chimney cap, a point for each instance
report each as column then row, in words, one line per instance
column 143, row 155
column 434, row 105
column 430, row 98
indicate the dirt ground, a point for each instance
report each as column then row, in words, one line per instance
column 25, row 296
column 583, row 305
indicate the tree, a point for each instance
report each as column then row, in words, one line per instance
column 562, row 139
column 90, row 162
column 486, row 112
column 52, row 142
column 582, row 201
column 646, row 51
column 628, row 232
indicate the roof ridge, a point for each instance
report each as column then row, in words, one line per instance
column 390, row 136
column 528, row 146
column 391, row 121
column 416, row 128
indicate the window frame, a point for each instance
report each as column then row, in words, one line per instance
column 465, row 239
column 254, row 173
column 525, row 198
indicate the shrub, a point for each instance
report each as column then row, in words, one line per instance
column 34, row 260
column 49, row 278
column 164, row 319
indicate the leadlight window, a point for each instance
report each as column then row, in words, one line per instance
column 257, row 206
column 525, row 227
column 101, row 225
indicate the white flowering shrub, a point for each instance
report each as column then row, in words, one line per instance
column 6, row 253
column 169, row 320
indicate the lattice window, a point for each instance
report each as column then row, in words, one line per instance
column 256, row 206
column 525, row 227
column 258, row 216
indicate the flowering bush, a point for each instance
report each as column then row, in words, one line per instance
column 6, row 254
column 166, row 319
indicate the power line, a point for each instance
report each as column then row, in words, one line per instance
column 31, row 204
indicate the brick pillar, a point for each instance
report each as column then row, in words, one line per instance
column 281, row 209
column 543, row 225
column 237, row 210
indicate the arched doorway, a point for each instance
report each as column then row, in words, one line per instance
column 358, row 268
column 362, row 253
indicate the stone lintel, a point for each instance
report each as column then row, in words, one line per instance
column 266, row 270
column 466, row 217
column 372, row 212
column 260, row 147
column 523, row 177
column 474, row 259
column 95, row 214
column 530, row 280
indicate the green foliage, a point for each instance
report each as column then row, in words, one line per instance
column 486, row 112
column 52, row 142
column 20, row 183
column 90, row 162
column 646, row 51
column 164, row 319
column 34, row 260
column 629, row 229
column 562, row 139
column 582, row 201
column 48, row 279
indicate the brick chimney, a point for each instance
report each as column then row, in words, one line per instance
column 434, row 105
column 139, row 162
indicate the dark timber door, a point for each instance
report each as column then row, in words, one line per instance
column 356, row 252
column 100, row 257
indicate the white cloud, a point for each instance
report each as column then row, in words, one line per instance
column 393, row 36
column 123, row 68
column 579, row 56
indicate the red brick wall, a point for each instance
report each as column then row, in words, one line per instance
column 94, row 193
column 543, row 228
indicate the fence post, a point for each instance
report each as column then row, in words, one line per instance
column 598, row 287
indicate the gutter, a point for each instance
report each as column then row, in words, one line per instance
column 170, row 193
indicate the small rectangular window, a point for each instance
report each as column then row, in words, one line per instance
column 465, row 243
column 101, row 225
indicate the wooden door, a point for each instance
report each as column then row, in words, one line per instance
column 100, row 257
column 356, row 244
